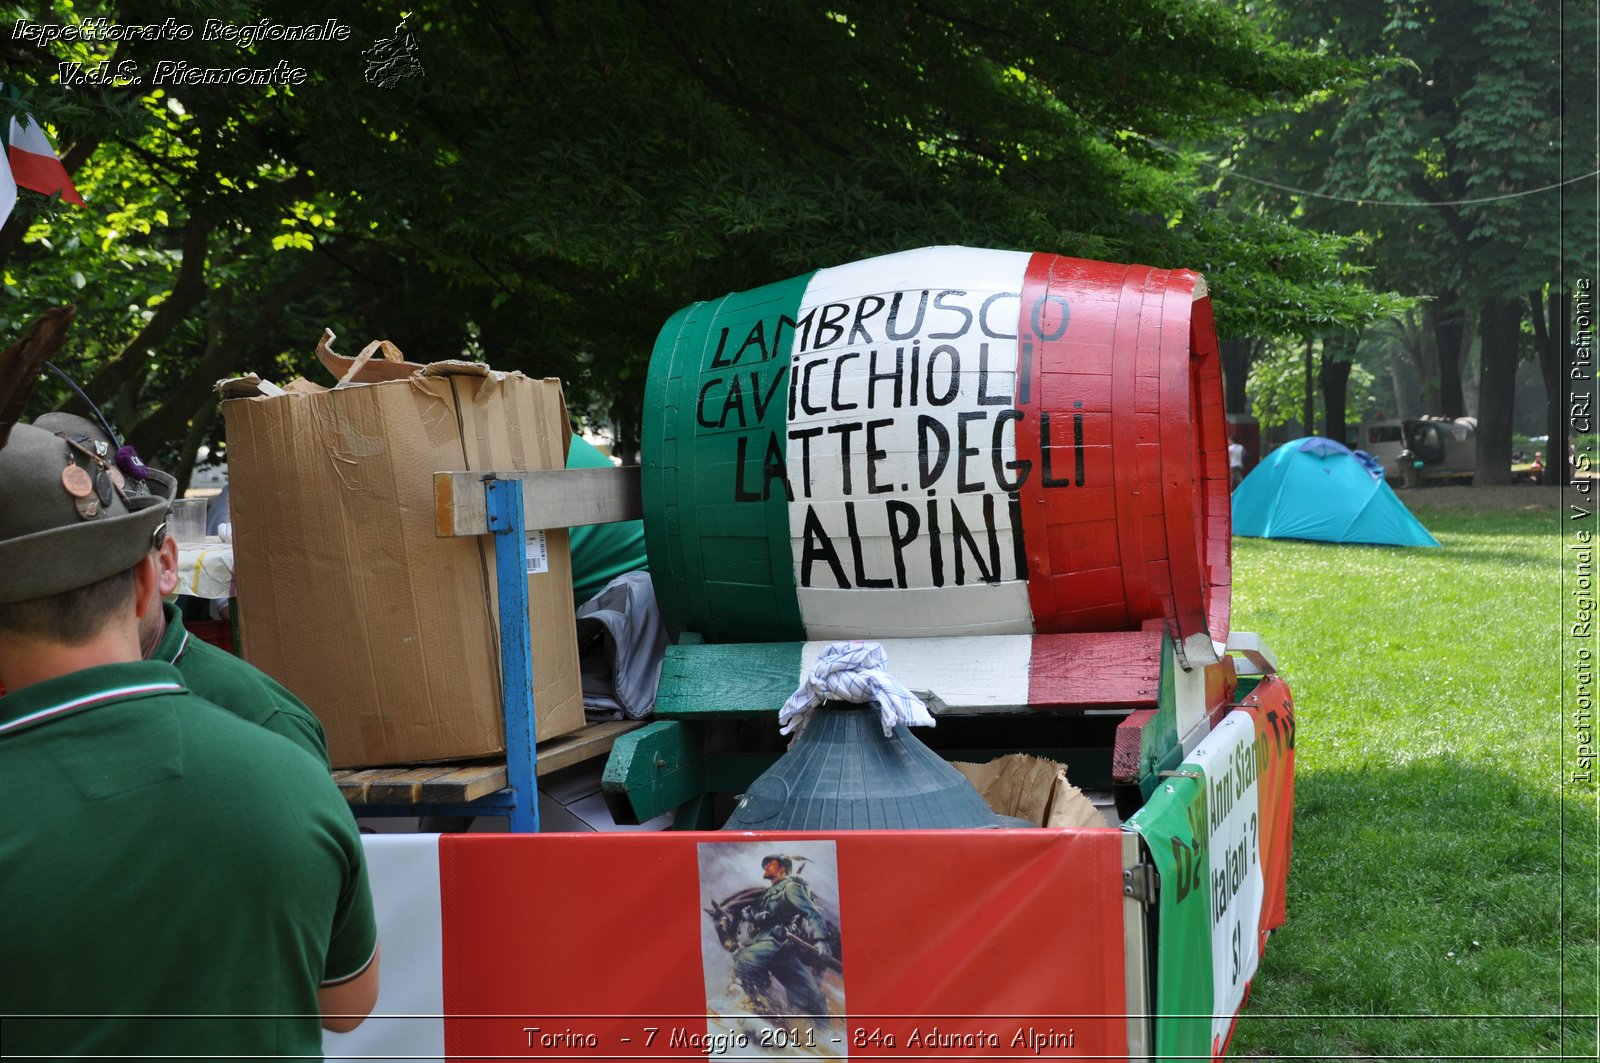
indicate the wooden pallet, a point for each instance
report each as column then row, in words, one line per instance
column 448, row 784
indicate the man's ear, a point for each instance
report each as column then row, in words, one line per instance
column 145, row 578
column 167, row 567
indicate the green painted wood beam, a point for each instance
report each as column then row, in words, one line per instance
column 741, row 679
column 654, row 770
column 1159, row 748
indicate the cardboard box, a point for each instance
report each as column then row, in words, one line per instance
column 346, row 594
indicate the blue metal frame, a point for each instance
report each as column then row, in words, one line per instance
column 520, row 801
column 504, row 498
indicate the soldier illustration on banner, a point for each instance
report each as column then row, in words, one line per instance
column 772, row 952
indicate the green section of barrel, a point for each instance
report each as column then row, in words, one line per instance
column 715, row 492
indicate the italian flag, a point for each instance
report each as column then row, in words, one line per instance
column 34, row 163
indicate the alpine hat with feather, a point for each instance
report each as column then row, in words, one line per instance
column 69, row 516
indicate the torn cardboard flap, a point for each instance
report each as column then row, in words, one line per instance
column 1034, row 789
column 251, row 385
column 248, row 386
column 457, row 367
column 364, row 368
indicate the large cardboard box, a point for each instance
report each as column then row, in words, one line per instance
column 347, row 595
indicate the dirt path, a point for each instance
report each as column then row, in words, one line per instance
column 1517, row 498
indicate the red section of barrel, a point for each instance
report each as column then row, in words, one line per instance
column 1213, row 500
column 1126, row 517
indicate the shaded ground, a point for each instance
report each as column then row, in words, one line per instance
column 1519, row 498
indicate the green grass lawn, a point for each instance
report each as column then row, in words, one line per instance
column 1442, row 897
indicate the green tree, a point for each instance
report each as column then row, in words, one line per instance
column 1457, row 159
column 1279, row 393
column 561, row 177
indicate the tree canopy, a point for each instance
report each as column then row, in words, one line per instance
column 1466, row 163
column 557, row 179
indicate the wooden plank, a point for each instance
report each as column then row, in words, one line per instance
column 1131, row 406
column 403, row 786
column 467, row 782
column 1250, row 646
column 656, row 768
column 741, row 679
column 1099, row 668
column 450, row 784
column 1180, row 444
column 353, row 782
column 551, row 498
column 1069, row 672
column 1127, row 765
column 960, row 673
column 1221, row 682
column 593, row 741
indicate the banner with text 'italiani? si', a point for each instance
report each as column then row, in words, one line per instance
column 951, row 944
column 1219, row 832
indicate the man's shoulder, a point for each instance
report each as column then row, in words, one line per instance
column 157, row 740
column 201, row 659
column 247, row 692
column 208, row 723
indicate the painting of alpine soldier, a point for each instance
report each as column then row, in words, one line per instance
column 780, row 951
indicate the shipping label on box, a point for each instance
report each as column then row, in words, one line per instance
column 348, row 596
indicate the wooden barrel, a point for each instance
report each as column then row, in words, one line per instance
column 948, row 441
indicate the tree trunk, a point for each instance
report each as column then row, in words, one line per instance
column 1335, row 379
column 1552, row 335
column 1409, row 362
column 1236, row 358
column 1404, row 383
column 1500, row 323
column 627, row 424
column 1308, row 418
column 184, row 467
column 189, row 287
column 1451, row 338
column 1426, row 357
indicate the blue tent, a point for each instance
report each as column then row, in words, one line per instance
column 1315, row 488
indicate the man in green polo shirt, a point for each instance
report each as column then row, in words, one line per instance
column 216, row 675
column 234, row 684
column 177, row 882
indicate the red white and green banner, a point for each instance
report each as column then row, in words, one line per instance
column 947, row 944
column 34, row 162
column 1219, row 830
column 30, row 162
column 949, row 441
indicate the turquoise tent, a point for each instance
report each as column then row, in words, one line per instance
column 1315, row 488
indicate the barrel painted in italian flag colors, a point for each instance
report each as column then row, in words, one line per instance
column 948, row 441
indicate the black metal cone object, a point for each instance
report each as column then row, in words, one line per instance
column 844, row 774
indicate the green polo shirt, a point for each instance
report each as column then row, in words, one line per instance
column 176, row 881
column 240, row 687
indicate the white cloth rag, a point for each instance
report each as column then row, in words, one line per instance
column 853, row 671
